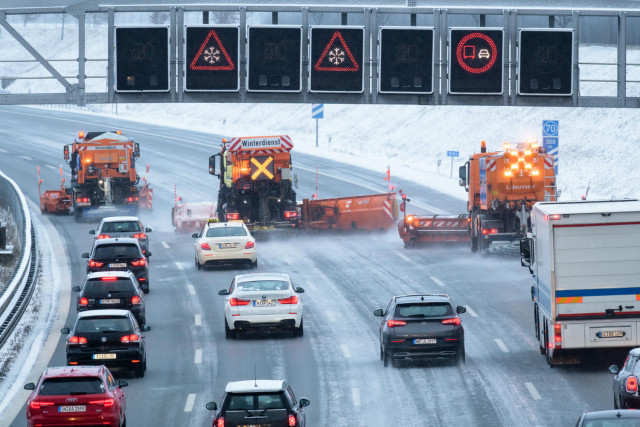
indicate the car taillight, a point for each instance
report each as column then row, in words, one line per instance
column 139, row 263
column 77, row 340
column 82, row 199
column 233, row 216
column 393, row 323
column 130, row 338
column 453, row 321
column 250, row 244
column 205, row 246
column 135, row 299
column 489, row 231
column 557, row 339
column 37, row 404
column 292, row 420
column 238, row 301
column 107, row 403
column 84, row 301
column 632, row 384
column 94, row 264
column 140, row 236
column 103, row 236
column 291, row 300
column 291, row 214
column 220, row 422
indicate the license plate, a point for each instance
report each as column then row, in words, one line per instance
column 105, row 356
column 610, row 334
column 264, row 303
column 226, row 245
column 79, row 408
column 110, row 301
column 425, row 341
column 118, row 265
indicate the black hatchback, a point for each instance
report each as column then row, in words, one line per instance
column 625, row 382
column 112, row 289
column 421, row 327
column 119, row 254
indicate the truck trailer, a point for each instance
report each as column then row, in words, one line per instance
column 585, row 262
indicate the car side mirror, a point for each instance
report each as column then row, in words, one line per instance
column 92, row 231
column 145, row 328
column 299, row 290
column 212, row 406
column 461, row 309
column 304, row 402
column 30, row 386
column 148, row 229
column 195, row 236
column 122, row 383
column 223, row 292
column 525, row 263
column 85, row 255
column 65, row 330
column 378, row 312
column 614, row 369
column 76, row 289
column 148, row 254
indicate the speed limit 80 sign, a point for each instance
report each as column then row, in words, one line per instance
column 475, row 60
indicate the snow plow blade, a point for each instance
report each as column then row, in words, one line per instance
column 55, row 202
column 362, row 213
column 427, row 229
column 189, row 217
column 99, row 212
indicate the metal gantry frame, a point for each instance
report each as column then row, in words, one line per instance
column 75, row 93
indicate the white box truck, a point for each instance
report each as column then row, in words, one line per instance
column 585, row 261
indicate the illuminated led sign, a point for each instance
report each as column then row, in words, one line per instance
column 336, row 59
column 475, row 60
column 211, row 58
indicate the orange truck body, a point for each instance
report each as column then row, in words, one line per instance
column 415, row 229
column 365, row 213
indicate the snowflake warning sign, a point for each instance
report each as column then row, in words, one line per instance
column 336, row 59
column 211, row 58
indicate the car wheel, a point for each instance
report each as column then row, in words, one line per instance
column 385, row 358
column 228, row 333
column 381, row 354
column 143, row 321
column 139, row 370
column 124, row 424
column 146, row 290
column 615, row 402
column 299, row 332
column 198, row 266
column 460, row 357
column 255, row 264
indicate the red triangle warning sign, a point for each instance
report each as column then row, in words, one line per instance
column 336, row 56
column 212, row 56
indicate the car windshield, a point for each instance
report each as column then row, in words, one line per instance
column 117, row 251
column 246, row 401
column 613, row 422
column 98, row 288
column 71, row 386
column 226, row 232
column 103, row 324
column 121, row 227
column 263, row 285
column 423, row 310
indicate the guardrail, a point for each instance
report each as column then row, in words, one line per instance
column 15, row 296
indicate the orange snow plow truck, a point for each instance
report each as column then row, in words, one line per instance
column 503, row 186
column 256, row 187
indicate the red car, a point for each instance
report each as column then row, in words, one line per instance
column 77, row 396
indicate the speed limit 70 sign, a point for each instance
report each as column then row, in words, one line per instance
column 550, row 128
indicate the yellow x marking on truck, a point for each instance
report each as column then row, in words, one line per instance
column 262, row 168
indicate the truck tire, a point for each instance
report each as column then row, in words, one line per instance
column 77, row 214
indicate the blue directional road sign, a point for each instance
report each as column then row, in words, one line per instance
column 317, row 111
column 453, row 154
column 550, row 139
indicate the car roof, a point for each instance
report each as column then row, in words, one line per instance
column 262, row 276
column 113, row 312
column 72, row 371
column 255, row 386
column 114, row 240
column 612, row 413
column 120, row 218
column 422, row 298
column 99, row 274
column 224, row 224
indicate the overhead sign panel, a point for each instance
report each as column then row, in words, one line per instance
column 406, row 60
column 475, row 60
column 275, row 63
column 142, row 59
column 336, row 61
column 545, row 63
column 211, row 58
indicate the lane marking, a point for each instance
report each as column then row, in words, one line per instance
column 355, row 396
column 26, row 158
column 438, row 282
column 198, row 320
column 533, row 391
column 179, row 265
column 501, row 345
column 198, row 358
column 345, row 351
column 404, row 257
column 287, row 261
column 471, row 312
column 165, row 245
column 50, row 166
column 191, row 399
column 331, row 316
column 192, row 290
column 2, row 150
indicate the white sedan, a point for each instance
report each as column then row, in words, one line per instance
column 225, row 243
column 265, row 301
